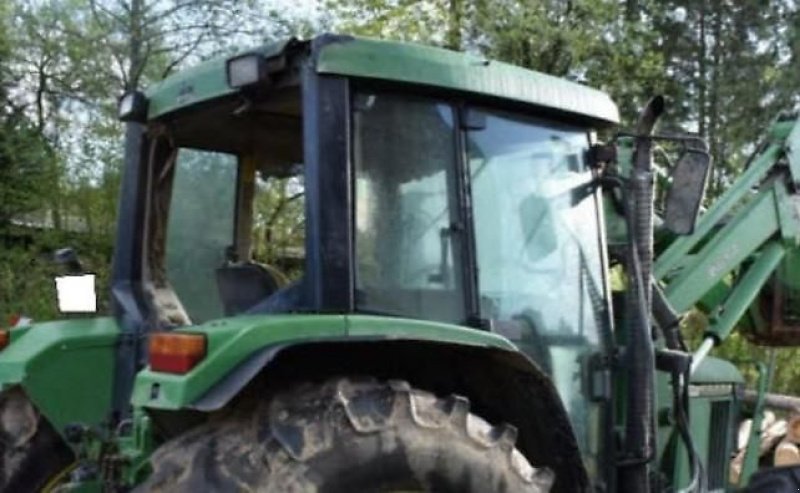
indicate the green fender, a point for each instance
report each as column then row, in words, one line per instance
column 238, row 343
column 66, row 368
column 499, row 379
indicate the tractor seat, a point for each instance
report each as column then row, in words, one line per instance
column 242, row 285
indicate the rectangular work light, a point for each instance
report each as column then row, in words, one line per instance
column 133, row 107
column 175, row 352
column 246, row 70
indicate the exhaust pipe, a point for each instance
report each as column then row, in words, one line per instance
column 639, row 446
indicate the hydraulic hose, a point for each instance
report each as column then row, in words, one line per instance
column 667, row 319
column 640, row 356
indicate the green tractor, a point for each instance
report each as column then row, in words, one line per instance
column 426, row 307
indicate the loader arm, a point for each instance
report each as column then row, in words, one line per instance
column 740, row 241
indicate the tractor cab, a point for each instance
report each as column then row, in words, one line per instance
column 358, row 177
column 226, row 218
column 292, row 191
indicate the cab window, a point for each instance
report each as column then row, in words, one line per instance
column 200, row 228
column 408, row 244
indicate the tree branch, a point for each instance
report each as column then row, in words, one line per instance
column 180, row 58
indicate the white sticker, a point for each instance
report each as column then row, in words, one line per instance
column 76, row 294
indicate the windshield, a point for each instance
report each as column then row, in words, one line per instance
column 535, row 219
column 538, row 248
column 426, row 174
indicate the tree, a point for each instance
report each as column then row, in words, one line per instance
column 603, row 43
column 63, row 64
column 148, row 39
column 729, row 58
column 26, row 160
column 27, row 171
column 438, row 22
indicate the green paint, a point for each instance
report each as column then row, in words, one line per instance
column 137, row 448
column 793, row 151
column 205, row 81
column 737, row 240
column 740, row 243
column 746, row 290
column 671, row 258
column 788, row 217
column 714, row 370
column 65, row 367
column 789, row 271
column 673, row 457
column 399, row 62
column 616, row 226
column 781, row 130
column 231, row 341
column 18, row 332
column 750, row 463
column 715, row 296
column 426, row 65
column 366, row 326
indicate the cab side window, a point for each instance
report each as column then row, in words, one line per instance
column 200, row 228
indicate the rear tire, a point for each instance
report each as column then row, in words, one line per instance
column 347, row 436
column 31, row 452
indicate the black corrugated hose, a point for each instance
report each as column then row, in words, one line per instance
column 640, row 355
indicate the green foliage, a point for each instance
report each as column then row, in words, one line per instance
column 28, row 168
column 26, row 285
column 730, row 60
column 63, row 64
column 279, row 224
column 406, row 20
column 585, row 40
column 27, row 270
column 786, row 379
column 27, row 164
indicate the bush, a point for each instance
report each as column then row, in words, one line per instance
column 27, row 271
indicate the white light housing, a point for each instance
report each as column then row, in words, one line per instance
column 246, row 70
column 133, row 107
column 126, row 104
column 76, row 294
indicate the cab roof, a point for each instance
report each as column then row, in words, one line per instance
column 395, row 62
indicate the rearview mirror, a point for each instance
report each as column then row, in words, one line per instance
column 685, row 194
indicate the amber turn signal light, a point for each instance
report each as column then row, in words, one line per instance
column 176, row 352
column 5, row 338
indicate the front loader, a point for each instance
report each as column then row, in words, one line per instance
column 355, row 265
column 739, row 267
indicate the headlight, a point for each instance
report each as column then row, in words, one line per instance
column 133, row 107
column 246, row 70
